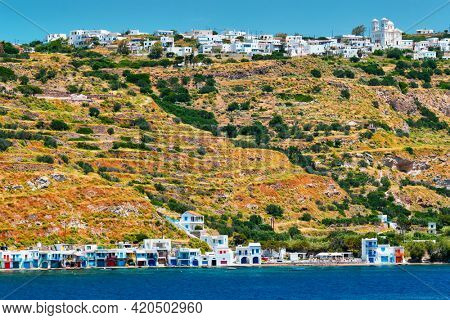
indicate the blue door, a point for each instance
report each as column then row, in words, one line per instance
column 244, row 260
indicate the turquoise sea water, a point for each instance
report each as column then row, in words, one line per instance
column 358, row 282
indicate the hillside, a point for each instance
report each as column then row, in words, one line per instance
column 226, row 139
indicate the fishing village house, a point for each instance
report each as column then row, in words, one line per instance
column 192, row 222
column 372, row 252
column 186, row 257
column 163, row 248
column 221, row 255
column 250, row 254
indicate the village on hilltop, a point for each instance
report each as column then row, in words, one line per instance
column 383, row 34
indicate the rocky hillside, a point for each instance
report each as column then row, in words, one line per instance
column 92, row 144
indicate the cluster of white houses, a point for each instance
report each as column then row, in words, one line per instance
column 160, row 252
column 152, row 253
column 383, row 35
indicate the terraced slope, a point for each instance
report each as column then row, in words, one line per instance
column 122, row 155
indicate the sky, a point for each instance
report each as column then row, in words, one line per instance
column 26, row 20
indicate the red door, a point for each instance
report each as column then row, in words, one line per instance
column 7, row 265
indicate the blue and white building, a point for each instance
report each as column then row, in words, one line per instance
column 372, row 252
column 250, row 254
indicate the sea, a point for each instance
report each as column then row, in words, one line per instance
column 255, row 283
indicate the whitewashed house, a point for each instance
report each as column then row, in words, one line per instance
column 187, row 257
column 432, row 228
column 220, row 241
column 421, row 45
column 198, row 33
column 424, row 31
column 167, row 42
column 79, row 38
column 424, row 54
column 250, row 254
column 135, row 32
column 164, row 33
column 162, row 246
column 180, row 51
column 406, row 45
column 192, row 221
column 55, row 36
column 444, row 45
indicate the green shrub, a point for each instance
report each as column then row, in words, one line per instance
column 64, row 158
column 45, row 159
column 306, row 217
column 207, row 89
column 86, row 167
column 345, row 93
column 29, row 90
column 87, row 146
column 6, row 74
column 198, row 118
column 267, row 88
column 59, row 125
column 94, row 112
column 316, row 73
column 344, row 73
column 4, row 144
column 141, row 123
column 50, row 142
column 85, row 130
column 372, row 68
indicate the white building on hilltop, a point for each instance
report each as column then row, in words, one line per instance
column 79, row 38
column 385, row 34
column 55, row 36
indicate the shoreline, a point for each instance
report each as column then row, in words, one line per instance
column 231, row 267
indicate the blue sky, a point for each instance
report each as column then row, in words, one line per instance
column 305, row 17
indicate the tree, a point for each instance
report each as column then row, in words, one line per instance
column 123, row 48
column 416, row 251
column 156, row 51
column 24, row 80
column 345, row 93
column 316, row 73
column 274, row 210
column 359, row 30
column 230, row 130
column 294, row 232
column 94, row 112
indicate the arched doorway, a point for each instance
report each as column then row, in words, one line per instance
column 214, row 262
column 255, row 260
column 244, row 260
column 195, row 263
